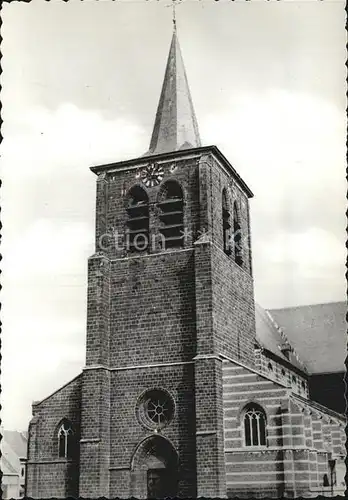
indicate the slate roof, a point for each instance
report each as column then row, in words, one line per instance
column 6, row 462
column 175, row 125
column 318, row 334
column 17, row 441
column 271, row 337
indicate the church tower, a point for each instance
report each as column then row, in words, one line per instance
column 170, row 294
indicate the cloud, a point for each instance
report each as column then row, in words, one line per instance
column 28, row 381
column 299, row 268
column 313, row 249
column 280, row 136
column 46, row 247
column 38, row 141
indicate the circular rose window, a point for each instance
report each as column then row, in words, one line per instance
column 155, row 408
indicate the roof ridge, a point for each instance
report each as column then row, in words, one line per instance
column 307, row 305
column 254, row 370
column 319, row 407
column 285, row 338
column 8, row 464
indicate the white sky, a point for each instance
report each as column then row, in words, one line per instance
column 81, row 82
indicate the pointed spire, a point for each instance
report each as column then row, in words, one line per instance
column 175, row 124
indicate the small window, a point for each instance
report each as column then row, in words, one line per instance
column 254, row 426
column 226, row 224
column 303, row 385
column 283, row 372
column 270, row 367
column 22, row 471
column 66, row 440
column 293, row 378
column 155, row 408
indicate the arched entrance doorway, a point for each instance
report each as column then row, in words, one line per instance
column 154, row 469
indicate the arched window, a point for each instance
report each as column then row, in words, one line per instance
column 138, row 219
column 326, row 480
column 237, row 236
column 254, row 426
column 226, row 224
column 171, row 206
column 66, row 440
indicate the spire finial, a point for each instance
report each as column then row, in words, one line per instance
column 174, row 18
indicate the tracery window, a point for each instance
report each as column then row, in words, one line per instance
column 66, row 440
column 155, row 408
column 254, row 426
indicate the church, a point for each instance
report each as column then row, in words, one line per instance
column 190, row 388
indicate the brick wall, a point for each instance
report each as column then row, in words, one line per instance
column 211, row 480
column 280, row 372
column 233, row 308
column 98, row 310
column 299, row 438
column 143, row 293
column 152, row 309
column 252, row 471
column 220, row 180
column 48, row 475
column 95, row 433
column 127, row 433
column 112, row 200
column 232, row 297
column 159, row 307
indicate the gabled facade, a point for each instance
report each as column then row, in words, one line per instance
column 173, row 385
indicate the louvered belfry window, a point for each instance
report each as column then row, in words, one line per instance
column 138, row 219
column 237, row 237
column 171, row 205
column 226, row 224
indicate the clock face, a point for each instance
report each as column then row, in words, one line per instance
column 152, row 175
